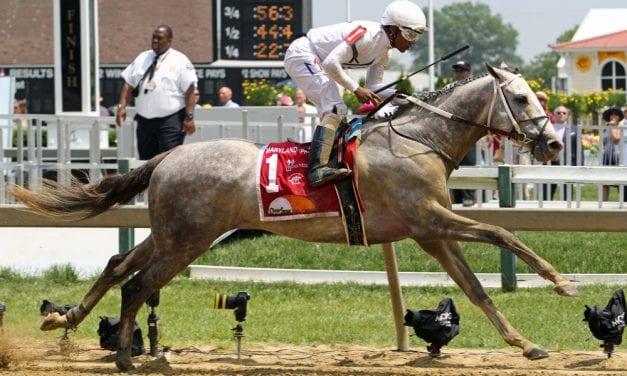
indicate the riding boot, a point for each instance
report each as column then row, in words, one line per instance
column 320, row 152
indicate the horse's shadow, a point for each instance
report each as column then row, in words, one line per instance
column 248, row 362
column 587, row 363
column 447, row 361
column 428, row 361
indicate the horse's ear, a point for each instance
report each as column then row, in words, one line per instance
column 515, row 70
column 492, row 70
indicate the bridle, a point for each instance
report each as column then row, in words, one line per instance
column 516, row 133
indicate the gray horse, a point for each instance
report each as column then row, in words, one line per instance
column 201, row 190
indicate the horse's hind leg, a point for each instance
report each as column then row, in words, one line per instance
column 159, row 270
column 118, row 268
column 449, row 255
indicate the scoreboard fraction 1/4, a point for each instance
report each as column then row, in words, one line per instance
column 259, row 30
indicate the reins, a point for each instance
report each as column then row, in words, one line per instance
column 448, row 115
column 516, row 133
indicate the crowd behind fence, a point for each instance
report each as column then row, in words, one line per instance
column 49, row 146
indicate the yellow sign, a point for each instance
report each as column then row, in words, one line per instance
column 583, row 63
column 618, row 55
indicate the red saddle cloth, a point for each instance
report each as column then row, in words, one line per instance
column 283, row 192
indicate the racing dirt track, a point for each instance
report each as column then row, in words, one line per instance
column 49, row 358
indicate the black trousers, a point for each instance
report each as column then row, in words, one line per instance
column 459, row 195
column 154, row 136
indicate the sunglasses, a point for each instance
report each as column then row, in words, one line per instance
column 410, row 34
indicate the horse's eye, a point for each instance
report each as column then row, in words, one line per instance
column 521, row 98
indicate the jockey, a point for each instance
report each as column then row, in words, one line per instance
column 316, row 61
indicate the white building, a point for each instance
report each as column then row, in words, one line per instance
column 595, row 59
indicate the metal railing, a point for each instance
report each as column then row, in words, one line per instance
column 55, row 145
column 37, row 146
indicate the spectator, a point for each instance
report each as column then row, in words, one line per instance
column 300, row 100
column 20, row 107
column 611, row 142
column 197, row 97
column 544, row 102
column 466, row 197
column 302, row 106
column 461, row 70
column 224, row 96
column 624, row 134
column 103, row 110
column 285, row 100
column 163, row 81
column 316, row 63
column 568, row 135
column 518, row 156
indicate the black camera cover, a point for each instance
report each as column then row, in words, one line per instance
column 438, row 326
column 108, row 332
column 608, row 324
column 48, row 307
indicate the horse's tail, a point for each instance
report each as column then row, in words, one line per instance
column 80, row 201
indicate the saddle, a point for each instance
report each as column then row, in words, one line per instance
column 284, row 193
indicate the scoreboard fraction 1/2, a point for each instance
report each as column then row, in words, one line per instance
column 259, row 30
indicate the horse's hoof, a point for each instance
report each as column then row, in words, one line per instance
column 567, row 289
column 536, row 353
column 124, row 365
column 54, row 321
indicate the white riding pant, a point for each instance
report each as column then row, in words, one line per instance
column 303, row 66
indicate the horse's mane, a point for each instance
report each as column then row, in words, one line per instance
column 430, row 96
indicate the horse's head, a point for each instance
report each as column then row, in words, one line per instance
column 527, row 121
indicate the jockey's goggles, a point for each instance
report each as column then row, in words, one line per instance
column 410, row 35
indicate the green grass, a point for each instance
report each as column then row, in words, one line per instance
column 589, row 192
column 284, row 313
column 568, row 252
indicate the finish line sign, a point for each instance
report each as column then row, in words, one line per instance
column 75, row 57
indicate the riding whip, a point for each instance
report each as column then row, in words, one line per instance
column 423, row 68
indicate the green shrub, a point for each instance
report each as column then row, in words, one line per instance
column 61, row 274
column 44, row 138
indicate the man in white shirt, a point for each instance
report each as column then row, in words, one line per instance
column 163, row 81
column 315, row 62
column 225, row 95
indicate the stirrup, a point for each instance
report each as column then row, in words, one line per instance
column 322, row 175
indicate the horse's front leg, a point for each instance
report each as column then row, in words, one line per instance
column 449, row 255
column 118, row 268
column 465, row 229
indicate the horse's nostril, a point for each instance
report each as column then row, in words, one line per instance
column 555, row 146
